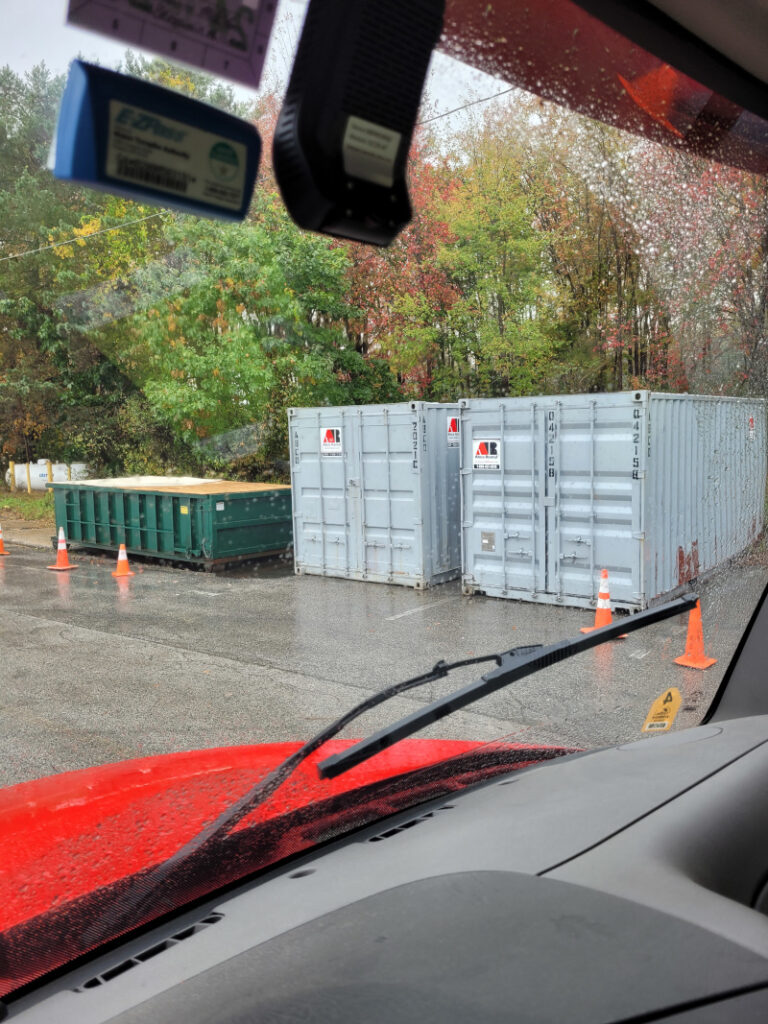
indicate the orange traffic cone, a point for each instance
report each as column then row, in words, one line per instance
column 2, row 546
column 123, row 569
column 62, row 558
column 694, row 656
column 603, row 611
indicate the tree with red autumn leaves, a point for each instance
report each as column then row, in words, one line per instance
column 403, row 293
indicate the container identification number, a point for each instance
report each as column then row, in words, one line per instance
column 551, row 438
column 636, row 428
column 415, row 443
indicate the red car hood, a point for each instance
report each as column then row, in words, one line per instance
column 67, row 835
column 82, row 851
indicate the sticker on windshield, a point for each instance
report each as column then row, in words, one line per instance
column 453, row 431
column 227, row 38
column 146, row 149
column 663, row 711
column 330, row 441
column 486, row 453
column 370, row 151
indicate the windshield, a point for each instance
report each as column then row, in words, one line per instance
column 333, row 465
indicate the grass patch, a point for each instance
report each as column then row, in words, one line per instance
column 36, row 507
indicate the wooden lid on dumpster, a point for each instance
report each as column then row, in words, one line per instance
column 183, row 485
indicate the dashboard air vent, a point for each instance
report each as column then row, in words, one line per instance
column 408, row 824
column 149, row 953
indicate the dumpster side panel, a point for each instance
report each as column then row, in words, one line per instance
column 707, row 475
column 200, row 528
column 235, row 525
column 60, row 509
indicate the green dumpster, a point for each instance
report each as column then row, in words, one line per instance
column 184, row 519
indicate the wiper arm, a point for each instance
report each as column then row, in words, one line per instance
column 511, row 666
column 148, row 888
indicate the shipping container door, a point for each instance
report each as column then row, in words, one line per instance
column 324, row 460
column 503, row 461
column 595, row 468
column 389, row 477
column 441, row 501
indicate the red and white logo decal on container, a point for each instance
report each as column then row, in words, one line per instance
column 486, row 453
column 453, row 431
column 330, row 441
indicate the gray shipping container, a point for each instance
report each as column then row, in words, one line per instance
column 657, row 489
column 376, row 492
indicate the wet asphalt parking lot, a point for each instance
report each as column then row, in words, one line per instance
column 95, row 671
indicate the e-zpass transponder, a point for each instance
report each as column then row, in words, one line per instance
column 140, row 140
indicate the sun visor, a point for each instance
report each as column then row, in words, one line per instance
column 344, row 132
column 121, row 134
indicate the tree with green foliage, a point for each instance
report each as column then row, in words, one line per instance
column 498, row 263
column 47, row 382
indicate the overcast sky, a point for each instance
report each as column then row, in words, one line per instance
column 36, row 30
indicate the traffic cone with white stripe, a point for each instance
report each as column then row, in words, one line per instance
column 603, row 615
column 123, row 569
column 62, row 558
column 2, row 546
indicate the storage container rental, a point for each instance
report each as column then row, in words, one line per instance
column 184, row 519
column 655, row 488
column 376, row 492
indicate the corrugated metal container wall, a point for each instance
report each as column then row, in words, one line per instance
column 376, row 492
column 706, row 480
column 655, row 488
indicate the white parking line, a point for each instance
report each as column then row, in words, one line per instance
column 423, row 608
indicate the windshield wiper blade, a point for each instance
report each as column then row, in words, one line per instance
column 152, row 889
column 511, row 666
column 148, row 889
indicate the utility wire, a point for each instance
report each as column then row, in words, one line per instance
column 472, row 103
column 80, row 238
column 128, row 223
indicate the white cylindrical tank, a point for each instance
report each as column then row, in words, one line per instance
column 38, row 473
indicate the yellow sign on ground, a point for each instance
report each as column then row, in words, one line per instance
column 663, row 711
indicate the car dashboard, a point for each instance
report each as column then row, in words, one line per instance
column 624, row 884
